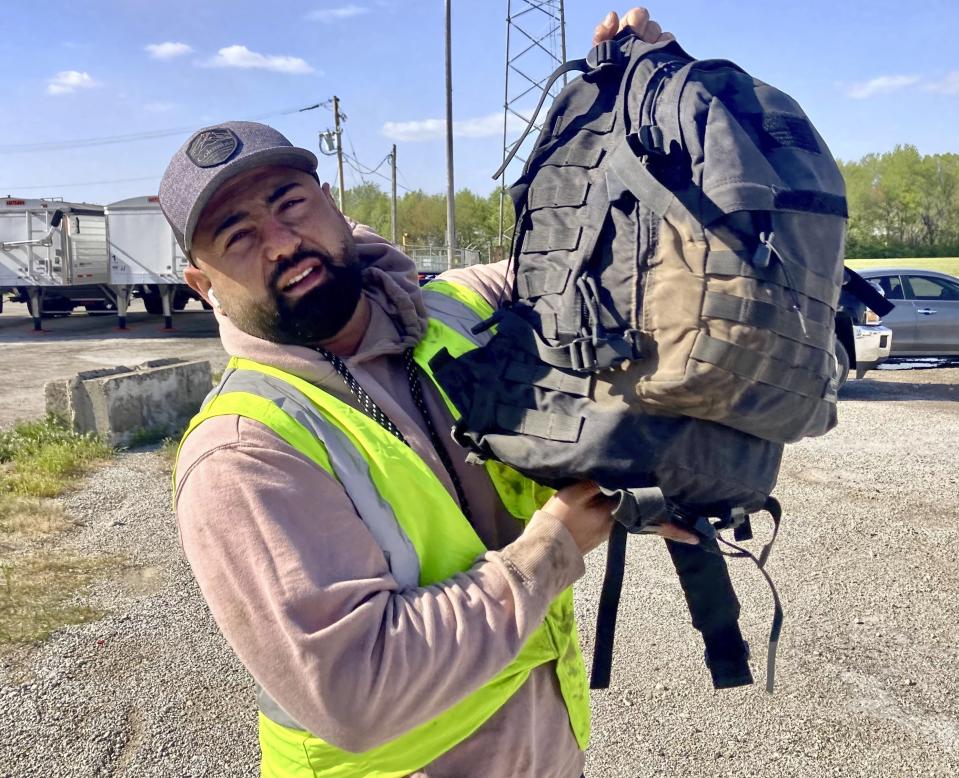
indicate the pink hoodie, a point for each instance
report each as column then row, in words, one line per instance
column 304, row 595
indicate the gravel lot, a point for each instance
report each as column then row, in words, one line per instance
column 868, row 680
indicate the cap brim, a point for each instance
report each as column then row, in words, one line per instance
column 291, row 156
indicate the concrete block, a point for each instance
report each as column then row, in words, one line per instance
column 124, row 404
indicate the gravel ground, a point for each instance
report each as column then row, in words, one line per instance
column 152, row 689
column 868, row 674
column 868, row 664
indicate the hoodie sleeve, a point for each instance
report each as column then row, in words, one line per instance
column 305, row 597
column 494, row 282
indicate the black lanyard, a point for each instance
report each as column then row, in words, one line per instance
column 371, row 409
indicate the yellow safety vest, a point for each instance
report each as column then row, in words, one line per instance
column 331, row 433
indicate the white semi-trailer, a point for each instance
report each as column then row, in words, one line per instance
column 145, row 259
column 53, row 255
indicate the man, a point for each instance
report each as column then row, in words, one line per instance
column 402, row 612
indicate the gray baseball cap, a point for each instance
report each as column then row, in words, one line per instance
column 212, row 156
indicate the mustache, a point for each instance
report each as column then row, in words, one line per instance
column 285, row 264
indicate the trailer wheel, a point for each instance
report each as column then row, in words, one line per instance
column 153, row 303
column 180, row 299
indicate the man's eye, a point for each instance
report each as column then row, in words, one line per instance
column 236, row 237
column 290, row 203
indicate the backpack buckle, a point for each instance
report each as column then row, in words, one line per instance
column 582, row 355
column 595, row 353
column 605, row 54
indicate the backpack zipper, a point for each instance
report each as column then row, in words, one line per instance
column 762, row 259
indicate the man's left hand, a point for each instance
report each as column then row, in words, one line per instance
column 637, row 19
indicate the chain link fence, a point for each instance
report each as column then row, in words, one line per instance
column 434, row 259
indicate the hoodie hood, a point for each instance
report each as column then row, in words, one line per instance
column 397, row 315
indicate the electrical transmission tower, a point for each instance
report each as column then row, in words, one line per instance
column 535, row 47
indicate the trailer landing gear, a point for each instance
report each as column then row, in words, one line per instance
column 123, row 299
column 166, row 296
column 36, row 307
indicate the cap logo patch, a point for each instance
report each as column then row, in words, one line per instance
column 212, row 147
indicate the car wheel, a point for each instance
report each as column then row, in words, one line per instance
column 842, row 364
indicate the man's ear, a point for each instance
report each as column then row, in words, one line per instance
column 336, row 209
column 329, row 195
column 196, row 279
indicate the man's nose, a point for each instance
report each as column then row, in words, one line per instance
column 279, row 240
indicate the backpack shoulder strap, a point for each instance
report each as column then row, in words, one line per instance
column 603, row 55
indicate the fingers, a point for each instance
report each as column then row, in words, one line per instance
column 585, row 490
column 652, row 32
column 672, row 532
column 637, row 19
column 607, row 28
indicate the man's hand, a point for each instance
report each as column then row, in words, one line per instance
column 637, row 19
column 585, row 512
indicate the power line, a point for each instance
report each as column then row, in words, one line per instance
column 350, row 160
column 362, row 168
column 407, row 187
column 106, row 140
column 78, row 183
column 355, row 158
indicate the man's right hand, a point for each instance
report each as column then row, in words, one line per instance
column 587, row 513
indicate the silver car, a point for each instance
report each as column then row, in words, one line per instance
column 925, row 321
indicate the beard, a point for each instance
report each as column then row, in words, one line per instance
column 315, row 316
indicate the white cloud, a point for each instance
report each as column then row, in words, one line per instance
column 67, row 81
column 241, row 57
column 158, row 106
column 327, row 15
column 879, row 85
column 431, row 129
column 948, row 85
column 167, row 50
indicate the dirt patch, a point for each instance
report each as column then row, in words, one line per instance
column 148, row 579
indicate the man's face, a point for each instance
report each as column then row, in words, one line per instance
column 279, row 256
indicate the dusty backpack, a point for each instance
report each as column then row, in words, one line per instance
column 678, row 262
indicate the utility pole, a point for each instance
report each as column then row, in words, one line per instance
column 339, row 146
column 393, row 195
column 450, row 192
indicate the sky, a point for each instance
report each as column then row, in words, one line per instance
column 869, row 74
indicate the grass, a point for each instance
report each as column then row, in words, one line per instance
column 169, row 448
column 942, row 264
column 31, row 517
column 38, row 593
column 40, row 586
column 41, row 458
column 148, row 436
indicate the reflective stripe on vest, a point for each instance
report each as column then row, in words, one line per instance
column 392, row 489
column 453, row 311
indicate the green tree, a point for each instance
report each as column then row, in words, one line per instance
column 902, row 203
